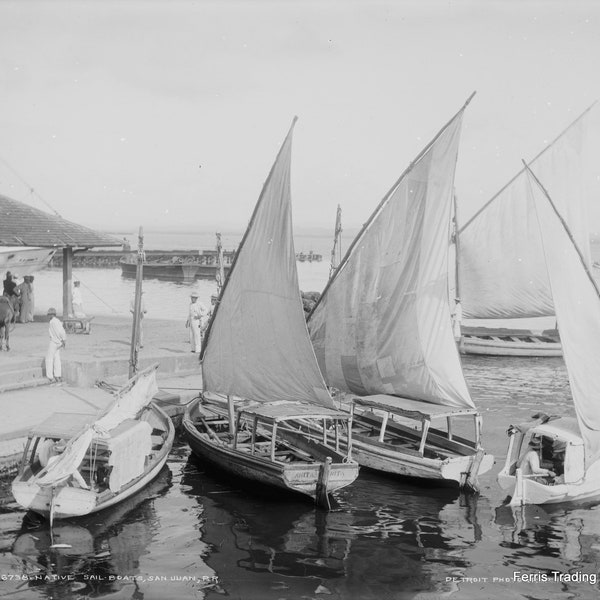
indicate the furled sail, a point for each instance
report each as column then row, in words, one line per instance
column 501, row 266
column 257, row 345
column 383, row 322
column 577, row 304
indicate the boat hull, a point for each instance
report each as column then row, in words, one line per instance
column 170, row 272
column 24, row 260
column 498, row 347
column 450, row 471
column 527, row 491
column 509, row 342
column 301, row 478
column 68, row 501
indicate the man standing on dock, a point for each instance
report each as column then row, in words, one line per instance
column 77, row 299
column 58, row 339
column 197, row 316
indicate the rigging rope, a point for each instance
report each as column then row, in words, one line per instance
column 32, row 190
column 96, row 295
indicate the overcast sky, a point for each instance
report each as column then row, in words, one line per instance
column 169, row 114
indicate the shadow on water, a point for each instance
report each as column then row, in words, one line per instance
column 382, row 539
column 88, row 556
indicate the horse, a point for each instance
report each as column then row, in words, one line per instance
column 7, row 314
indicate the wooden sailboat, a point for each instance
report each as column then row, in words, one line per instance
column 500, row 261
column 570, row 445
column 382, row 331
column 258, row 355
column 77, row 464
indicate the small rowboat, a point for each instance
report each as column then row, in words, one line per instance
column 77, row 464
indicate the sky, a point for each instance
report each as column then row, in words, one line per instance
column 168, row 114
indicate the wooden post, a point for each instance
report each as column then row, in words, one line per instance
column 321, row 495
column 231, row 411
column 253, row 440
column 424, row 430
column 274, row 441
column 137, row 308
column 67, row 304
column 384, row 422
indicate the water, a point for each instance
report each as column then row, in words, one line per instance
column 106, row 293
column 194, row 534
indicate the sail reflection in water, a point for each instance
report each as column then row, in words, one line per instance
column 94, row 555
column 381, row 539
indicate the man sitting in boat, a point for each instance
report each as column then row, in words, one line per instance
column 529, row 463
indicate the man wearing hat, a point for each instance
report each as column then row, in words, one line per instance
column 197, row 317
column 530, row 462
column 58, row 339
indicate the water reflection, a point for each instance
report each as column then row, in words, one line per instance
column 94, row 555
column 568, row 532
column 382, row 537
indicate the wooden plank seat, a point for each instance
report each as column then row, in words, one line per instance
column 78, row 324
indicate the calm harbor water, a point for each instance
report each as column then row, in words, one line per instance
column 194, row 534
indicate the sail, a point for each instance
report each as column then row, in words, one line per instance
column 577, row 304
column 257, row 345
column 501, row 266
column 383, row 322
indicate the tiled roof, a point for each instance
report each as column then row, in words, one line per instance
column 23, row 225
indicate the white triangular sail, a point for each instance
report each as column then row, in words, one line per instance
column 577, row 304
column 383, row 322
column 501, row 264
column 257, row 345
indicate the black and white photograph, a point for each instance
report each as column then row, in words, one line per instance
column 301, row 299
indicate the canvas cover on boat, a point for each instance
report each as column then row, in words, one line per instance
column 128, row 404
column 383, row 322
column 257, row 345
column 125, row 406
column 577, row 304
column 129, row 445
column 502, row 273
column 64, row 465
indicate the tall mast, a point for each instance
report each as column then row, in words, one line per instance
column 220, row 272
column 135, row 330
column 455, row 235
column 336, row 251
